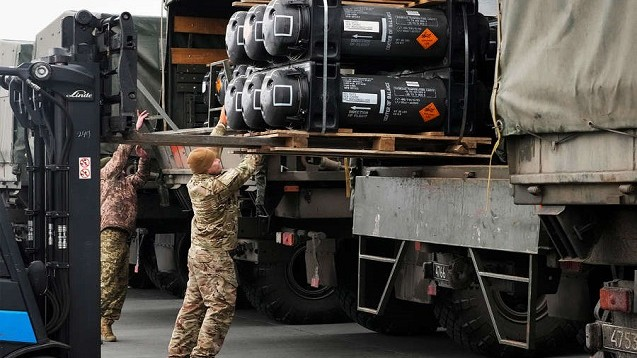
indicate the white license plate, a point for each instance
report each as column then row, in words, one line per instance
column 619, row 338
column 441, row 272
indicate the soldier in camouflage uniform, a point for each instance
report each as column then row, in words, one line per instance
column 208, row 307
column 118, row 198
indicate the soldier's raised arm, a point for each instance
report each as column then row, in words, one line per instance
column 220, row 130
column 236, row 177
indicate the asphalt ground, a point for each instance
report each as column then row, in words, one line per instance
column 148, row 317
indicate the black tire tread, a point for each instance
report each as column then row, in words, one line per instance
column 171, row 282
column 267, row 291
column 401, row 318
column 465, row 317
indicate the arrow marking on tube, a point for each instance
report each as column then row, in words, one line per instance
column 357, row 36
column 355, row 108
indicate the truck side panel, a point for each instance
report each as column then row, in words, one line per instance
column 444, row 211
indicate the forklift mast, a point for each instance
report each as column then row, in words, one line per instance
column 81, row 91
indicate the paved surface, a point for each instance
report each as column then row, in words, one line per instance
column 148, row 317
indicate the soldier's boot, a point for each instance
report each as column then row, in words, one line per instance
column 107, row 331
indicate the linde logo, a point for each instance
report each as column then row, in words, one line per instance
column 80, row 95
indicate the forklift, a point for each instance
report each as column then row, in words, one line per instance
column 69, row 99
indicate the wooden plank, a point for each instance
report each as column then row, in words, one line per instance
column 199, row 130
column 196, row 140
column 296, row 142
column 438, row 137
column 417, row 137
column 248, row 4
column 360, row 153
column 404, row 2
column 384, row 144
column 400, row 3
column 372, row 4
column 428, row 2
column 200, row 25
column 432, row 134
column 196, row 56
column 386, row 3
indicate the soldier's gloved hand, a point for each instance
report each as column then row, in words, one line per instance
column 255, row 159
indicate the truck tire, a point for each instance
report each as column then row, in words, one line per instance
column 465, row 316
column 279, row 290
column 138, row 279
column 171, row 282
column 400, row 318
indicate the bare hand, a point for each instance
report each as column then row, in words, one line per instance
column 141, row 116
column 222, row 117
column 141, row 152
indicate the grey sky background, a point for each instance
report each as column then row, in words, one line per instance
column 488, row 7
column 23, row 19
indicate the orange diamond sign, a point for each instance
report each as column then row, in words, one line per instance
column 427, row 39
column 429, row 112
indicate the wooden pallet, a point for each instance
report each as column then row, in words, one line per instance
column 385, row 3
column 350, row 144
column 344, row 143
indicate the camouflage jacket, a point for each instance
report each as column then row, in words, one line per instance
column 215, row 203
column 118, row 192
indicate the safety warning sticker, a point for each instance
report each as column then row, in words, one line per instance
column 84, row 167
column 427, row 39
column 429, row 112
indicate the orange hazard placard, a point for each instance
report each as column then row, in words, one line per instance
column 429, row 112
column 427, row 39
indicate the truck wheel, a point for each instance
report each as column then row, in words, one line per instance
column 138, row 279
column 465, row 316
column 171, row 282
column 400, row 318
column 279, row 290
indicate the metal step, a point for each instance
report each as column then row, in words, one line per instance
column 377, row 258
column 362, row 258
column 531, row 281
column 504, row 277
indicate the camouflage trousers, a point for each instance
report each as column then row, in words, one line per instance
column 114, row 271
column 208, row 308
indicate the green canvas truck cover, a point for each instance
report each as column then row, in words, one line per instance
column 565, row 63
column 149, row 57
